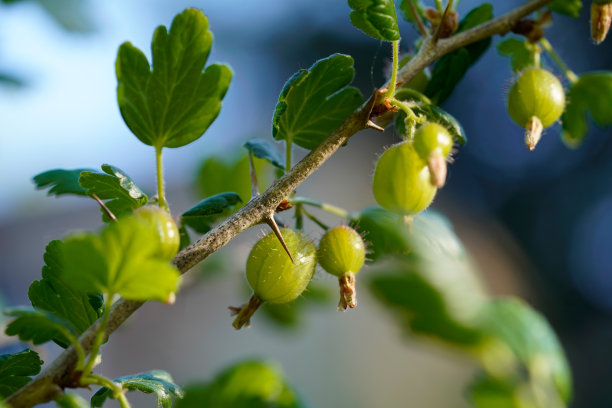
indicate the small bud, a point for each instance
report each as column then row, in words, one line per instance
column 601, row 17
column 533, row 132
column 437, row 168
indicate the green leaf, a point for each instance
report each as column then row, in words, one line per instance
column 376, row 18
column 122, row 259
column 250, row 384
column 61, row 181
column 568, row 7
column 531, row 340
column 264, row 149
column 53, row 294
column 157, row 381
column 487, row 392
column 407, row 12
column 448, row 70
column 522, row 54
column 176, row 102
column 116, row 186
column 202, row 215
column 314, row 102
column 432, row 286
column 592, row 94
column 71, row 400
column 17, row 369
column 38, row 326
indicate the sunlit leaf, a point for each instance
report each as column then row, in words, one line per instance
column 151, row 382
column 174, row 103
column 376, row 18
column 314, row 102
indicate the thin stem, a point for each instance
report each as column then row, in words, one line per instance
column 254, row 183
column 332, row 209
column 418, row 19
column 569, row 74
column 393, row 81
column 78, row 348
column 314, row 219
column 439, row 5
column 288, row 144
column 104, row 208
column 95, row 349
column 111, row 385
column 299, row 218
column 160, row 178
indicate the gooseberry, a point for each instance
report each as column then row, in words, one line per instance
column 165, row 227
column 402, row 180
column 342, row 253
column 433, row 143
column 536, row 101
column 273, row 276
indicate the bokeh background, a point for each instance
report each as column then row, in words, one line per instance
column 538, row 224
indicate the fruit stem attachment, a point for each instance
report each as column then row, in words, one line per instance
column 348, row 292
column 407, row 108
column 161, row 197
column 95, row 349
column 332, row 209
column 245, row 313
column 393, row 80
column 569, row 74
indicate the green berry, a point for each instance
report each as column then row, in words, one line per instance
column 167, row 231
column 341, row 250
column 536, row 93
column 270, row 272
column 432, row 137
column 402, row 181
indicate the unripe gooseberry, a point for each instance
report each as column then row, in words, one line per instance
column 402, row 181
column 162, row 223
column 273, row 276
column 342, row 253
column 536, row 101
column 433, row 143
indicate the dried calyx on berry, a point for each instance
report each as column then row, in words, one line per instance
column 342, row 253
column 601, row 17
column 536, row 101
column 433, row 143
column 273, row 276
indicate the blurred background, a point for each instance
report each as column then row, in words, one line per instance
column 538, row 224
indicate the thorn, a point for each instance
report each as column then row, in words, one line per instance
column 272, row 223
column 254, row 183
column 374, row 126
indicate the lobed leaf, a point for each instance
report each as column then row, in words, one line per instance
column 17, row 369
column 61, row 181
column 174, row 103
column 450, row 69
column 531, row 340
column 430, row 283
column 116, row 186
column 151, row 382
column 202, row 215
column 248, row 384
column 264, row 149
column 54, row 295
column 376, row 18
column 38, row 326
column 592, row 95
column 314, row 102
column 568, row 7
column 522, row 54
column 122, row 259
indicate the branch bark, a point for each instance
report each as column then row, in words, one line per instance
column 59, row 374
